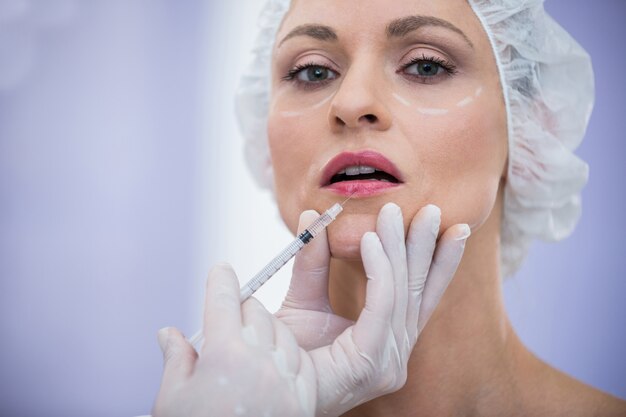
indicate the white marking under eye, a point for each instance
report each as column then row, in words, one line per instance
column 290, row 113
column 467, row 100
column 432, row 112
column 313, row 107
column 321, row 103
column 401, row 99
column 478, row 92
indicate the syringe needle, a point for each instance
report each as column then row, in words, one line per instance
column 349, row 197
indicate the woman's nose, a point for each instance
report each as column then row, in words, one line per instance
column 358, row 104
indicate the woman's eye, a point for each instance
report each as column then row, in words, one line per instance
column 425, row 69
column 313, row 74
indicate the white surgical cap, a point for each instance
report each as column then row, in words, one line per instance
column 548, row 91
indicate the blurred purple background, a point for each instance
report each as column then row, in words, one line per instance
column 567, row 301
column 115, row 117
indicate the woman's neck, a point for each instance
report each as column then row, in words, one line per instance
column 468, row 361
column 465, row 356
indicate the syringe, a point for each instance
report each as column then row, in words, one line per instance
column 281, row 259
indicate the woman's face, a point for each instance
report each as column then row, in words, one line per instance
column 407, row 89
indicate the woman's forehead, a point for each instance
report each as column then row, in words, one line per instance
column 376, row 18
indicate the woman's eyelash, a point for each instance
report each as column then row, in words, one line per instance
column 293, row 72
column 448, row 67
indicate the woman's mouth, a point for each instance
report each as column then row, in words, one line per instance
column 360, row 174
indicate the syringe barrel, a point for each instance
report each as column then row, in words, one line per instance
column 324, row 220
column 279, row 261
column 290, row 251
column 258, row 280
column 270, row 269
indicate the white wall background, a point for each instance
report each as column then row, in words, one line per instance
column 252, row 231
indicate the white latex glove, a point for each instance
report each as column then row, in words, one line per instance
column 356, row 362
column 250, row 363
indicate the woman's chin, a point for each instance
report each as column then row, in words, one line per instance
column 344, row 235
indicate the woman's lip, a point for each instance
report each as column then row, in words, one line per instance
column 370, row 158
column 361, row 188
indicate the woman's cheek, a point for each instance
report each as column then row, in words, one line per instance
column 282, row 153
column 464, row 168
column 469, row 204
column 291, row 151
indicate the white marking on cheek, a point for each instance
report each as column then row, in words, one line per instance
column 478, row 92
column 274, row 99
column 401, row 99
column 321, row 103
column 316, row 106
column 432, row 112
column 248, row 333
column 467, row 100
column 290, row 113
column 347, row 398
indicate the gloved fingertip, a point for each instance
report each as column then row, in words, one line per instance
column 223, row 266
column 463, row 232
column 432, row 209
column 392, row 207
column 222, row 271
column 163, row 336
column 434, row 214
column 371, row 249
column 370, row 237
column 306, row 218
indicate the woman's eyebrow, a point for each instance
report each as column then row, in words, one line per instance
column 397, row 28
column 319, row 32
column 405, row 25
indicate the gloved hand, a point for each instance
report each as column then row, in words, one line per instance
column 356, row 362
column 250, row 363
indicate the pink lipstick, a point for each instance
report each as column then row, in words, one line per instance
column 363, row 174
